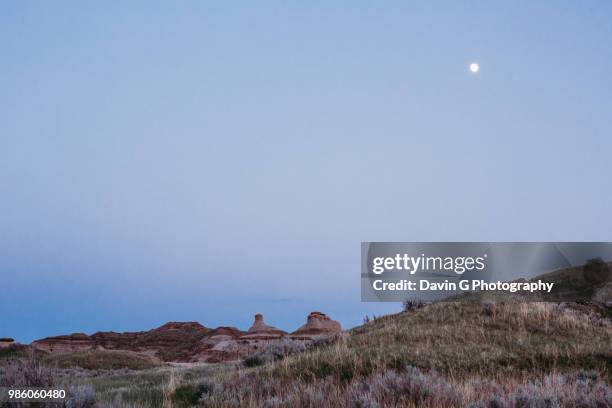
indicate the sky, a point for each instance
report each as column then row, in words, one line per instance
column 206, row 161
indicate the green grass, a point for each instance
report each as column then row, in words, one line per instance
column 18, row 352
column 149, row 388
column 101, row 360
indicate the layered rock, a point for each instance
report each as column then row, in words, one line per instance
column 218, row 345
column 259, row 337
column 6, row 342
column 317, row 325
column 170, row 342
column 65, row 343
column 174, row 341
column 260, row 330
column 192, row 342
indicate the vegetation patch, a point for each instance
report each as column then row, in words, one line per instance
column 475, row 354
column 101, row 360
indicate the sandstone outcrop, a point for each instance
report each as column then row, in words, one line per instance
column 259, row 337
column 193, row 342
column 6, row 342
column 260, row 330
column 174, row 341
column 317, row 325
column 65, row 343
column 218, row 345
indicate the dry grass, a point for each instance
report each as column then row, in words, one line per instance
column 170, row 389
column 445, row 354
column 503, row 355
column 459, row 339
column 27, row 372
column 101, row 360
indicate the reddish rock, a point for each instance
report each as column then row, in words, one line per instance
column 66, row 343
column 261, row 330
column 6, row 342
column 170, row 342
column 192, row 342
column 218, row 346
column 317, row 325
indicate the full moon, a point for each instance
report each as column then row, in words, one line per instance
column 474, row 67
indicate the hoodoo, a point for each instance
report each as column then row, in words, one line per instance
column 317, row 325
column 192, row 342
column 259, row 329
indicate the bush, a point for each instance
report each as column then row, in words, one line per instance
column 488, row 308
column 253, row 361
column 275, row 351
column 408, row 388
column 82, row 396
column 596, row 271
column 579, row 390
column 272, row 402
column 26, row 373
column 187, row 395
column 285, row 348
column 413, row 304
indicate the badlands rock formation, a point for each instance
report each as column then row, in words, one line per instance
column 65, row 343
column 192, row 342
column 260, row 330
column 6, row 342
column 317, row 325
column 258, row 338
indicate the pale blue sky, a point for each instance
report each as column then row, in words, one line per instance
column 178, row 160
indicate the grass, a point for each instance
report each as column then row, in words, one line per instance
column 441, row 355
column 458, row 340
column 455, row 348
column 101, row 360
column 151, row 387
column 18, row 352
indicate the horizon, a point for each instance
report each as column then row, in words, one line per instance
column 187, row 162
column 288, row 331
column 245, row 330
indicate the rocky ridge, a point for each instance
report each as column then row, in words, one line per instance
column 6, row 342
column 193, row 342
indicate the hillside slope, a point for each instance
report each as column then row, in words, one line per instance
column 444, row 354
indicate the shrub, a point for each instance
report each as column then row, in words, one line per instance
column 360, row 396
column 206, row 388
column 26, row 373
column 285, row 348
column 596, row 271
column 488, row 308
column 254, row 361
column 82, row 396
column 413, row 304
column 325, row 341
column 272, row 402
column 275, row 351
column 316, row 395
column 579, row 390
column 186, row 395
column 410, row 387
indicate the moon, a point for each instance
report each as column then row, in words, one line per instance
column 474, row 67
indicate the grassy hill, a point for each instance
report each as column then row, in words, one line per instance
column 102, row 360
column 469, row 354
column 445, row 354
column 88, row 360
column 441, row 355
